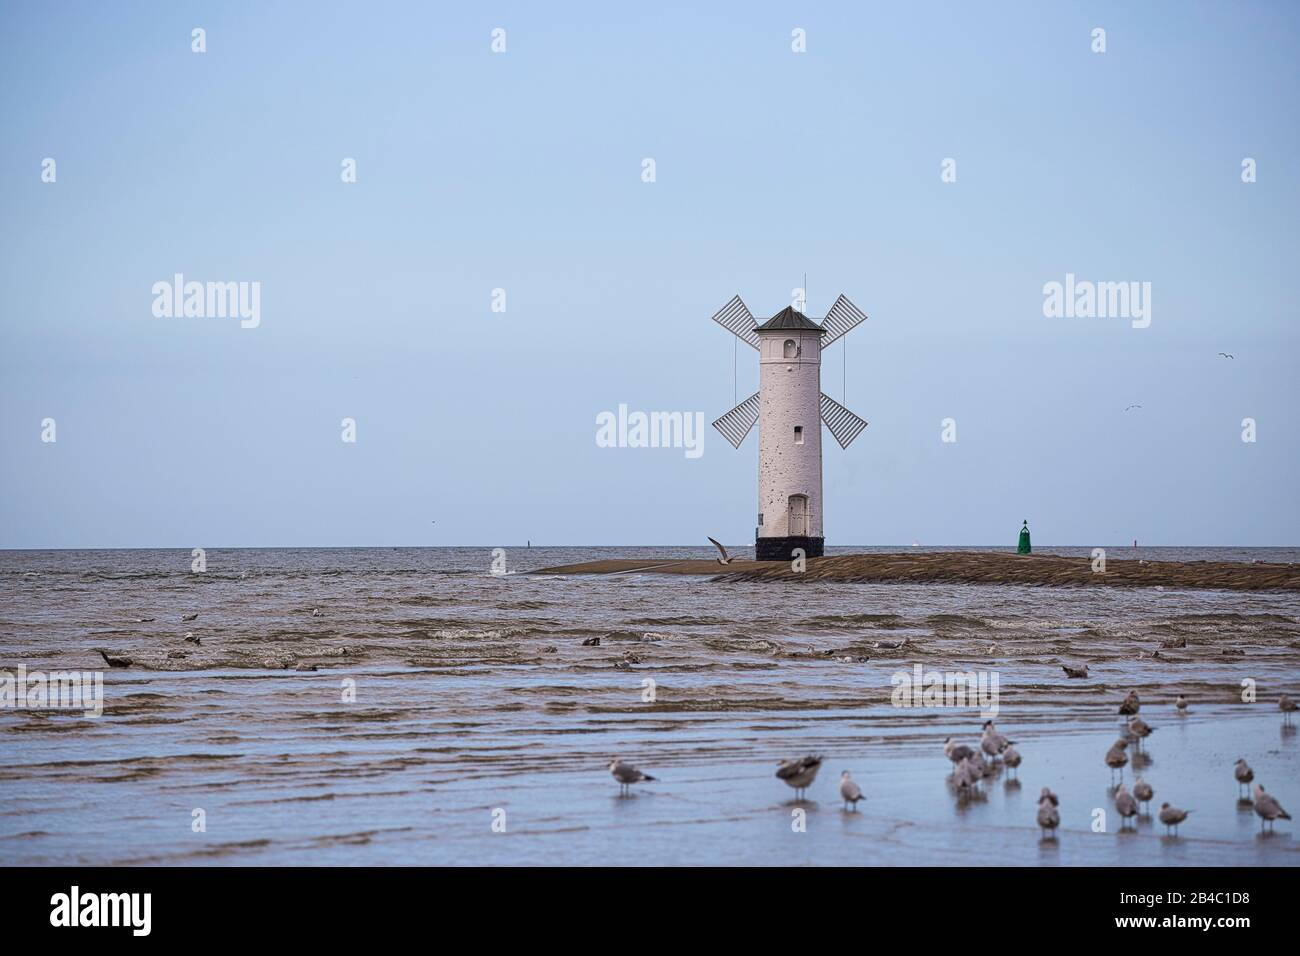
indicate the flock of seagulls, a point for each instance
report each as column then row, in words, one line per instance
column 970, row 765
column 1135, row 731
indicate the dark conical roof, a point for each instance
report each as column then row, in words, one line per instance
column 789, row 318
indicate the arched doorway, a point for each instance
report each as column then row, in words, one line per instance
column 798, row 516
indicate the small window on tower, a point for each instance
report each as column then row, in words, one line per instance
column 798, row 434
column 791, row 348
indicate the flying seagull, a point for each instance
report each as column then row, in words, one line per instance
column 726, row 558
column 1132, row 406
column 626, row 774
column 1225, row 355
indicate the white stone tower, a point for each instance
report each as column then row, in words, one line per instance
column 790, row 408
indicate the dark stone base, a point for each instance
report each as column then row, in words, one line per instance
column 781, row 549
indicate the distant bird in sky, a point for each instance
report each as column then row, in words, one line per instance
column 1267, row 808
column 849, row 790
column 726, row 558
column 1225, row 355
column 799, row 773
column 626, row 774
column 1132, row 406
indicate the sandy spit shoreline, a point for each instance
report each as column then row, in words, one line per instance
column 966, row 567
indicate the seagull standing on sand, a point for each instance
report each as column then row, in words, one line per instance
column 1143, row 792
column 1181, row 704
column 1011, row 758
column 849, row 790
column 1130, row 705
column 1288, row 707
column 992, row 742
column 1140, row 730
column 1116, row 758
column 956, row 752
column 1081, row 671
column 1049, row 817
column 1244, row 776
column 963, row 777
column 626, row 775
column 1267, row 807
column 1126, row 804
column 799, row 773
column 1171, row 816
column 726, row 558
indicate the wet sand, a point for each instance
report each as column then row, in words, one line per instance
column 476, row 691
column 966, row 567
column 415, row 780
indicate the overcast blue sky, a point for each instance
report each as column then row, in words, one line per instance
column 522, row 171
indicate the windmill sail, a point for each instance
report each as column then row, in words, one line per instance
column 844, row 425
column 735, row 425
column 736, row 318
column 843, row 317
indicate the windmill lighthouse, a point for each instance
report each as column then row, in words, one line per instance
column 789, row 407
